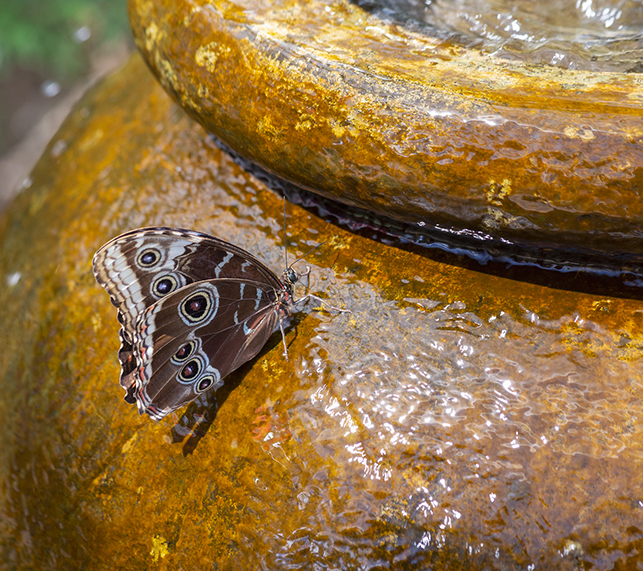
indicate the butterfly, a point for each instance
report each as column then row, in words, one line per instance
column 193, row 308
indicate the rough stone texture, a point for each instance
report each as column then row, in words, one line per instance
column 456, row 420
column 362, row 110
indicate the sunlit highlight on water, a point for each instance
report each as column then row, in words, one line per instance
column 580, row 34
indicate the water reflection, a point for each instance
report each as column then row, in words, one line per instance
column 518, row 381
column 577, row 34
column 447, row 430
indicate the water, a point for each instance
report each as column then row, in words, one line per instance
column 454, row 420
column 447, row 429
column 575, row 34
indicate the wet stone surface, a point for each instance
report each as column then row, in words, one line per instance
column 454, row 420
column 601, row 36
column 409, row 126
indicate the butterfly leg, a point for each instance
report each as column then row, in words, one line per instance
column 283, row 338
column 322, row 302
column 305, row 274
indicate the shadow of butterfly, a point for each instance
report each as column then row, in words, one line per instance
column 193, row 308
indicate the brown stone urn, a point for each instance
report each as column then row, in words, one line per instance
column 456, row 419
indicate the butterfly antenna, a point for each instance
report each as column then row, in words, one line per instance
column 308, row 253
column 285, row 244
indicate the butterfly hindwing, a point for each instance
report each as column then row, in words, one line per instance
column 190, row 340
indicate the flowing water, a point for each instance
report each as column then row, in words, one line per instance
column 454, row 420
column 576, row 34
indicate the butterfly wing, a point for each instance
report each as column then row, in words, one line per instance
column 142, row 266
column 190, row 340
column 149, row 274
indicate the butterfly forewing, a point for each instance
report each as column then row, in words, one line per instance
column 193, row 309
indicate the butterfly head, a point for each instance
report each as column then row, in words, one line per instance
column 290, row 276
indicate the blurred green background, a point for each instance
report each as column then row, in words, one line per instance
column 46, row 47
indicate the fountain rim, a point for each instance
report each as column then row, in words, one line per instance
column 344, row 34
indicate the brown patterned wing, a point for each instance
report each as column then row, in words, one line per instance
column 187, row 342
column 167, row 358
column 142, row 266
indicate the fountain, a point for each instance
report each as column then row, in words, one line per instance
column 459, row 418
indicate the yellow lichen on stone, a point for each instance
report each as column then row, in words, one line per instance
column 303, row 126
column 169, row 76
column 203, row 91
column 207, row 56
column 128, row 445
column 96, row 322
column 151, row 36
column 144, row 9
column 102, row 480
column 90, row 141
column 336, row 128
column 265, row 126
column 339, row 243
column 159, row 548
column 572, row 548
column 603, row 305
column 497, row 192
column 576, row 338
column 579, row 133
column 497, row 218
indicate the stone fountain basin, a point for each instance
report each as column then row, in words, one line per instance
column 364, row 111
column 454, row 420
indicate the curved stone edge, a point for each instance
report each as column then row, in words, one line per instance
column 440, row 136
